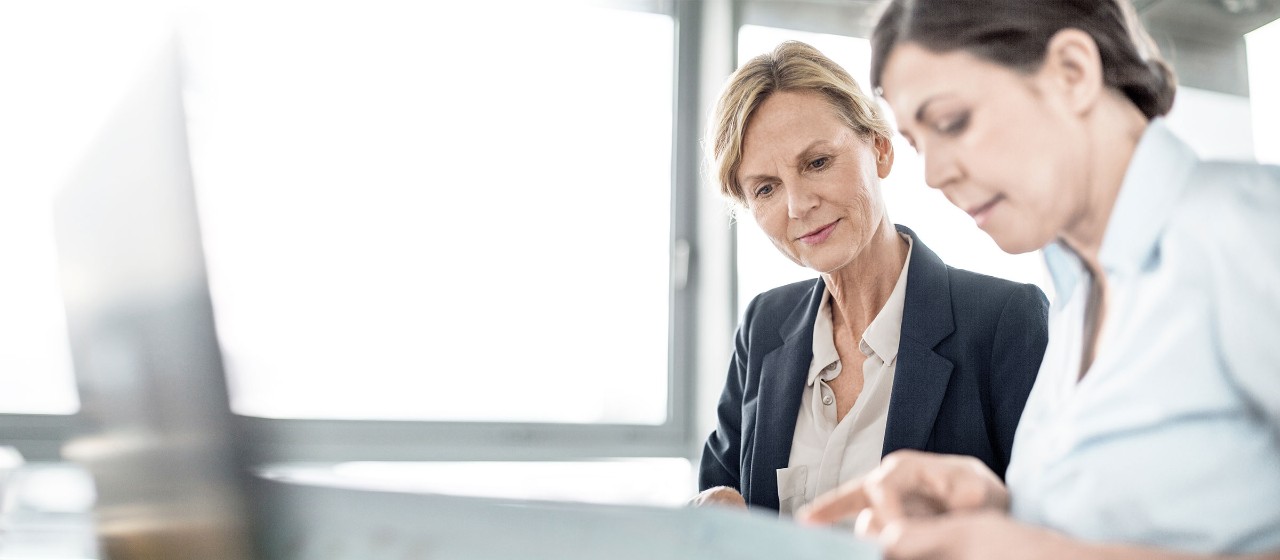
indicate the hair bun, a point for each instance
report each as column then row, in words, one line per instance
column 1164, row 87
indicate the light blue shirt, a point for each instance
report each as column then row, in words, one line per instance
column 1172, row 438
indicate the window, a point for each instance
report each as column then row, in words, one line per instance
column 457, row 212
column 1216, row 125
column 47, row 120
column 460, row 214
column 1264, row 91
column 35, row 363
column 58, row 91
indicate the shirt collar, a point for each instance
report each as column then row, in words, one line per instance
column 1155, row 180
column 824, row 346
column 1065, row 270
column 881, row 337
column 1156, row 176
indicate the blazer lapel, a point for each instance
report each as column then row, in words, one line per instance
column 783, row 373
column 922, row 375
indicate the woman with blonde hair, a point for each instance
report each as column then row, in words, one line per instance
column 1153, row 430
column 889, row 348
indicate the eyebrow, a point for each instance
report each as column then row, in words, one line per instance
column 812, row 147
column 919, row 116
column 923, row 107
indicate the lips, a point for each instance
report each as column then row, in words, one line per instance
column 818, row 235
column 982, row 212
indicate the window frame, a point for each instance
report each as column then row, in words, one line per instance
column 39, row 437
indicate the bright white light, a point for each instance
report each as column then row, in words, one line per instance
column 66, row 65
column 437, row 211
column 1216, row 125
column 1264, row 90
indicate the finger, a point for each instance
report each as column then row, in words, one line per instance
column 967, row 494
column 869, row 524
column 845, row 501
column 890, row 487
column 981, row 489
column 718, row 496
column 956, row 484
column 920, row 504
column 914, row 539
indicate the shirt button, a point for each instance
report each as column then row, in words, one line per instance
column 827, row 400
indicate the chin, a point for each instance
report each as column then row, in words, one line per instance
column 1017, row 243
column 820, row 266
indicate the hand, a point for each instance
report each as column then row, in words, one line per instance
column 910, row 484
column 986, row 535
column 991, row 535
column 722, row 496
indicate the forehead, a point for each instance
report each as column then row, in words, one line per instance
column 913, row 74
column 790, row 121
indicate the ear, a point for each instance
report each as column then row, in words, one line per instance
column 1072, row 70
column 884, row 156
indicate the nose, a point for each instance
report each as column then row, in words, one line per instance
column 801, row 199
column 941, row 169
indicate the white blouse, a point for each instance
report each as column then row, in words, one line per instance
column 825, row 453
column 1172, row 438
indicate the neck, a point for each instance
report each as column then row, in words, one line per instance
column 1113, row 132
column 860, row 289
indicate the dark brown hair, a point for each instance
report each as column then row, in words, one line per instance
column 1015, row 34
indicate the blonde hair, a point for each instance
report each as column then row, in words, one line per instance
column 792, row 66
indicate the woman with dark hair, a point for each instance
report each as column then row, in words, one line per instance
column 1155, row 419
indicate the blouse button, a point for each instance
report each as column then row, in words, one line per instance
column 827, row 400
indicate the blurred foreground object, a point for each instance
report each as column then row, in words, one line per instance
column 158, row 425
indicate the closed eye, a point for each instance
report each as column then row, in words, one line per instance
column 955, row 125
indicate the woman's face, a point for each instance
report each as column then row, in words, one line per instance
column 810, row 181
column 1001, row 145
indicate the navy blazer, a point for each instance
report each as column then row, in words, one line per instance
column 969, row 352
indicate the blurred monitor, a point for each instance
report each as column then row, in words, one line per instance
column 158, row 428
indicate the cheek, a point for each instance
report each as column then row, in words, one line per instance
column 873, row 199
column 1048, row 191
column 1033, row 215
column 771, row 217
column 866, row 211
column 772, row 220
column 1026, row 164
column 859, row 193
column 1019, row 145
column 1033, row 212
